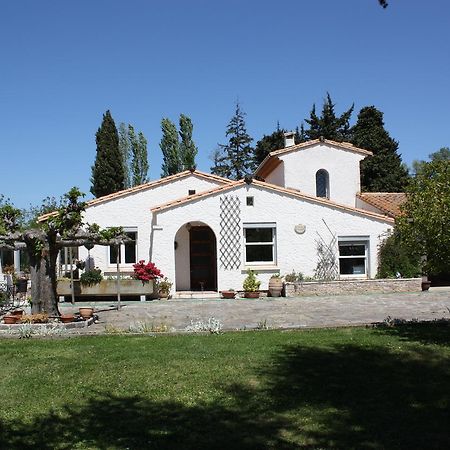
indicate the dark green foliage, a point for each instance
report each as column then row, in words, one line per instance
column 425, row 224
column 384, row 171
column 235, row 159
column 10, row 216
column 170, row 148
column 327, row 125
column 267, row 144
column 125, row 151
column 395, row 257
column 108, row 173
column 188, row 150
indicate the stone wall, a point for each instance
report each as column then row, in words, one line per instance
column 345, row 287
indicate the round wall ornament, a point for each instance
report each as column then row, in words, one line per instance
column 300, row 228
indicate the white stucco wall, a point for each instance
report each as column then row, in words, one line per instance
column 133, row 211
column 300, row 169
column 294, row 251
column 277, row 176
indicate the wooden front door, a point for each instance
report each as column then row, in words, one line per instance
column 203, row 259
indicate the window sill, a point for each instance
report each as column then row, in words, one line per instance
column 260, row 268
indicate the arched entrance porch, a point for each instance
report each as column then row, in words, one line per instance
column 195, row 258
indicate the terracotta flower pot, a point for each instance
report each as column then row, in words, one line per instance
column 10, row 320
column 251, row 294
column 67, row 318
column 86, row 312
column 426, row 285
column 228, row 294
column 17, row 312
column 275, row 286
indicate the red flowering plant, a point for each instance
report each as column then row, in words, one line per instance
column 146, row 272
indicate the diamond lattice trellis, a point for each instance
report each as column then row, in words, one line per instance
column 230, row 232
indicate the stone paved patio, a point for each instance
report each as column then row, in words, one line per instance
column 305, row 312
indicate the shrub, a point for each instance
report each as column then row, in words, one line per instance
column 146, row 272
column 394, row 258
column 91, row 277
column 251, row 284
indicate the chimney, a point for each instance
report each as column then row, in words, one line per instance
column 289, row 140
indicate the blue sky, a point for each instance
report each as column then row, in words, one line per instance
column 64, row 63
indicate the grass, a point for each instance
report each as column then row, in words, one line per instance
column 348, row 389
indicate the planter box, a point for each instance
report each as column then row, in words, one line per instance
column 349, row 287
column 106, row 288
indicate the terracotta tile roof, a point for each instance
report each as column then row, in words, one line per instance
column 307, row 144
column 388, row 202
column 145, row 186
column 273, row 187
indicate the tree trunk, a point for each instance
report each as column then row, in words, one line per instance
column 43, row 281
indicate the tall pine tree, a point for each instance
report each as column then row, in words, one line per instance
column 108, row 174
column 187, row 150
column 234, row 160
column 170, row 149
column 139, row 162
column 384, row 171
column 328, row 125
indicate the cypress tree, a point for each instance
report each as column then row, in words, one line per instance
column 384, row 171
column 235, row 159
column 188, row 150
column 108, row 173
column 170, row 149
column 328, row 125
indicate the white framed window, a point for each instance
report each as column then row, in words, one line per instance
column 353, row 256
column 259, row 243
column 127, row 251
column 322, row 184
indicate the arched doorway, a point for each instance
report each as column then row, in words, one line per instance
column 195, row 258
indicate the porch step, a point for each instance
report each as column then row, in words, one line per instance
column 196, row 294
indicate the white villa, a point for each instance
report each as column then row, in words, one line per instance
column 204, row 232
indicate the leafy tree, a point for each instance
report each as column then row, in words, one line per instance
column 425, row 224
column 134, row 155
column 188, row 150
column 170, row 148
column 108, row 173
column 395, row 258
column 443, row 154
column 384, row 171
column 267, row 144
column 125, row 151
column 235, row 159
column 62, row 228
column 328, row 125
column 139, row 161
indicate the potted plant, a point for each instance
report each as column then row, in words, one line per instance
column 146, row 272
column 230, row 293
column 275, row 285
column 86, row 312
column 164, row 287
column 251, row 285
column 91, row 277
column 67, row 318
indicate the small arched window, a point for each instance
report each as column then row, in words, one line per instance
column 322, row 184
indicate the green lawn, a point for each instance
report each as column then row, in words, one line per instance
column 347, row 388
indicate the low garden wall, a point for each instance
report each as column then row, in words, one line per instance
column 344, row 287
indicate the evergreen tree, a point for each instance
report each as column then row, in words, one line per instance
column 328, row 125
column 235, row 159
column 108, row 174
column 443, row 154
column 170, row 149
column 384, row 171
column 267, row 144
column 139, row 163
column 188, row 150
column 125, row 151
